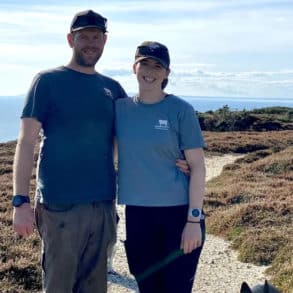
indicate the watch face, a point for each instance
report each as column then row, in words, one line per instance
column 195, row 212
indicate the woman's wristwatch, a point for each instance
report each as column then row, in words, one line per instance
column 195, row 213
column 19, row 199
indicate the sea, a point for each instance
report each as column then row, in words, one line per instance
column 11, row 107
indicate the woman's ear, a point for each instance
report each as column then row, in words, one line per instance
column 168, row 72
column 134, row 68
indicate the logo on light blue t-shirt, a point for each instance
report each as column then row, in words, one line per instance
column 162, row 125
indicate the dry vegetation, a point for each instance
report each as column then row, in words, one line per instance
column 19, row 258
column 250, row 203
column 247, row 141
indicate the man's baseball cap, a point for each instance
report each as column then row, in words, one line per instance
column 153, row 50
column 88, row 19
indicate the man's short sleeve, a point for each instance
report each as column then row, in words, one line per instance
column 122, row 93
column 36, row 104
column 190, row 135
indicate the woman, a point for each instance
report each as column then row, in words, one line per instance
column 164, row 219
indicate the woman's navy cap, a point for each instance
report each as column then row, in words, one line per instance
column 87, row 19
column 153, row 50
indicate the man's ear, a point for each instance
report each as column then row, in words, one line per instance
column 70, row 39
column 105, row 38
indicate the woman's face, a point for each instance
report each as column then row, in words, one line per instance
column 150, row 74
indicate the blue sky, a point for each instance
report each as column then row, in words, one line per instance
column 221, row 48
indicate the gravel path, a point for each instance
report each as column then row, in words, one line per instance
column 219, row 270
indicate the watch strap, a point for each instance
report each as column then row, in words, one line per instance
column 19, row 199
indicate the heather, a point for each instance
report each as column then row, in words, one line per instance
column 250, row 203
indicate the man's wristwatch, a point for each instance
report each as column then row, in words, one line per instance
column 18, row 200
column 195, row 213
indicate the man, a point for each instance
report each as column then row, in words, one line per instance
column 74, row 212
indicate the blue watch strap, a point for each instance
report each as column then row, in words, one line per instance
column 19, row 199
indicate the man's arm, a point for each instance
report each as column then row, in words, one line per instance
column 191, row 236
column 23, row 218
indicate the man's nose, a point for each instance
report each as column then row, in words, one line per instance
column 91, row 41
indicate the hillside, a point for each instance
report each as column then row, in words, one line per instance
column 264, row 119
column 250, row 203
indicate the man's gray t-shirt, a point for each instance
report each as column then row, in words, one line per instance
column 77, row 113
column 150, row 139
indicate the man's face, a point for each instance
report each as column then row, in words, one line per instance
column 88, row 45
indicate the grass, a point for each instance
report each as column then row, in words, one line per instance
column 250, row 204
column 245, row 142
column 20, row 270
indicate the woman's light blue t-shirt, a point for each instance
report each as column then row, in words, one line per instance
column 150, row 139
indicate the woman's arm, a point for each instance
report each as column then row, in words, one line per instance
column 195, row 160
column 191, row 236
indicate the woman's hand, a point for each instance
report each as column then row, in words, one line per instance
column 191, row 237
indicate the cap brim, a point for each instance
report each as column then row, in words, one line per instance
column 88, row 26
column 152, row 57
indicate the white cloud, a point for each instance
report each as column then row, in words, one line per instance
column 192, row 82
column 216, row 47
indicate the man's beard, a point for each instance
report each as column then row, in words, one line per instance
column 82, row 61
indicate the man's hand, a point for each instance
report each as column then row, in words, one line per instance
column 23, row 220
column 183, row 166
column 191, row 237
